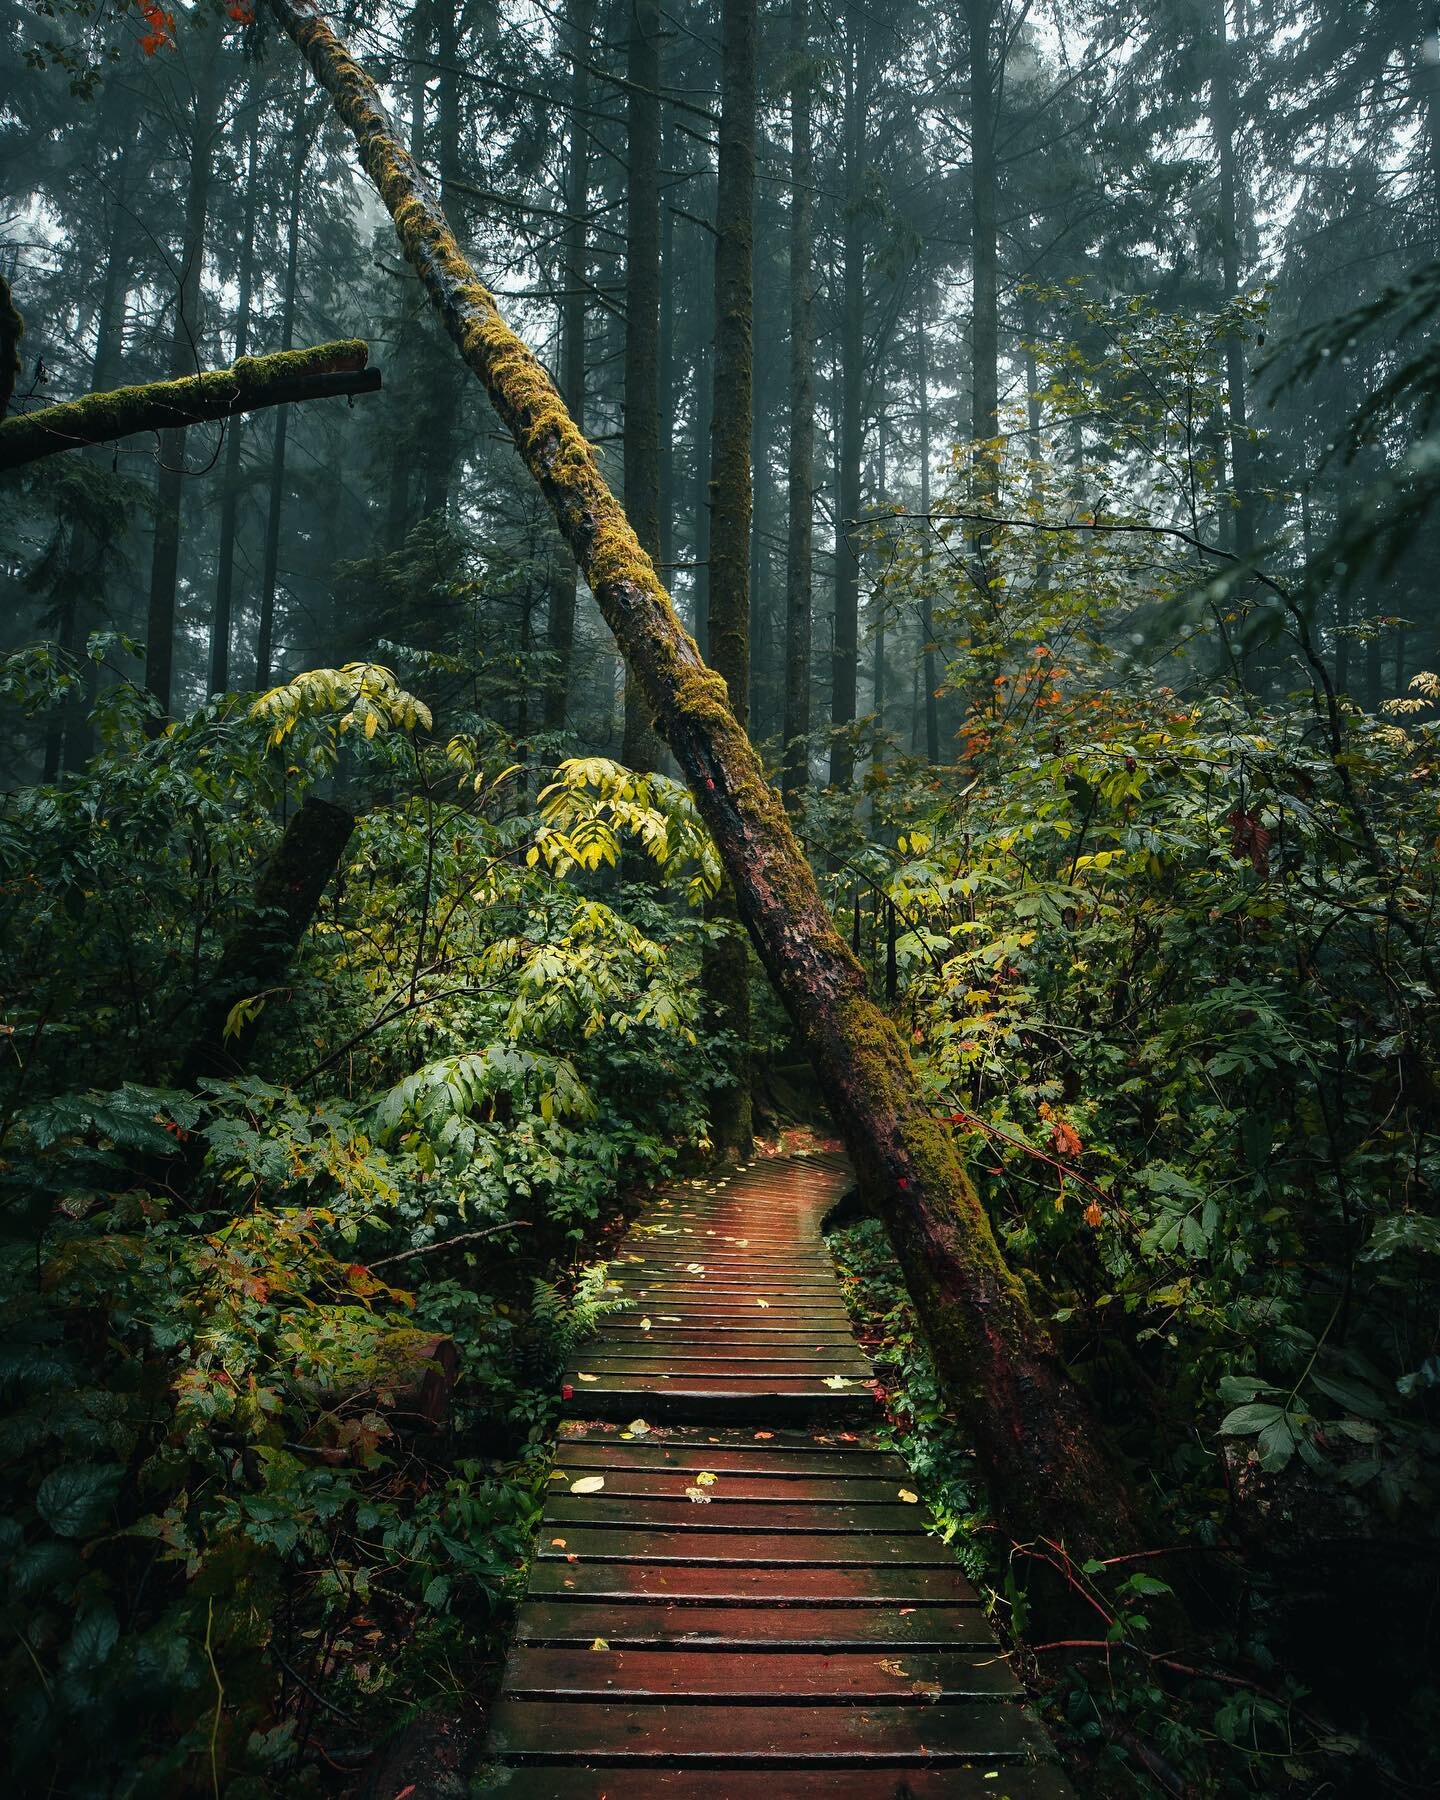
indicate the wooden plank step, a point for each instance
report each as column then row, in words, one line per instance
column 659, row 1484
column 616, row 1781
column 739, row 1584
column 794, row 1367
column 752, row 1459
column 692, row 1547
column 719, row 1512
column 828, row 1628
column 844, row 1678
column 703, row 1736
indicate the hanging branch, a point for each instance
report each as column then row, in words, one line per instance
column 253, row 382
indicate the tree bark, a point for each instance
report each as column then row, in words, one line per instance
column 221, row 619
column 985, row 324
column 1043, row 1452
column 12, row 329
column 265, row 636
column 927, row 607
column 1222, row 120
column 726, row 970
column 257, row 956
column 184, row 342
column 574, row 269
column 642, row 340
column 171, row 406
column 845, row 636
column 800, row 522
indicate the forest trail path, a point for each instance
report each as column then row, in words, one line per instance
column 740, row 1599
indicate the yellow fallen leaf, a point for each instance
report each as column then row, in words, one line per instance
column 909, row 1498
column 599, row 1644
column 742, row 1243
column 763, row 1303
column 891, row 1667
column 695, row 1268
column 588, row 1378
column 670, row 1319
column 587, row 1484
column 706, row 1479
column 698, row 1495
column 644, row 1324
column 639, row 1427
column 836, row 1381
column 557, row 1543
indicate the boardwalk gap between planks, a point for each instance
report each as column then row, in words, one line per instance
column 736, row 1595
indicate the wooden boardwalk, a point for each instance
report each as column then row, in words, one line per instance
column 733, row 1592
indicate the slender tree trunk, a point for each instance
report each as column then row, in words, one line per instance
column 184, row 347
column 1044, row 1454
column 642, row 337
column 927, row 608
column 877, row 604
column 220, row 624
column 265, row 637
column 438, row 461
column 845, row 641
column 667, row 362
column 574, row 271
column 726, row 971
column 800, row 523
column 985, row 324
column 704, row 315
column 1222, row 120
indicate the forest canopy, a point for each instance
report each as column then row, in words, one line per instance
column 596, row 591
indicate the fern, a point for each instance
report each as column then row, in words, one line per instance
column 566, row 1320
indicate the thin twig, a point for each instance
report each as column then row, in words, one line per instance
column 465, row 1237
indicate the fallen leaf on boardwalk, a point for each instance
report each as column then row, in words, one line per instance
column 557, row 1543
column 698, row 1495
column 891, row 1667
column 764, row 1303
column 557, row 1474
column 706, row 1479
column 644, row 1324
column 587, row 1484
column 570, row 1556
column 588, row 1378
column 762, row 1435
column 909, row 1498
column 695, row 1268
column 906, row 1609
column 742, row 1243
column 836, row 1381
column 639, row 1427
column 599, row 1644
column 929, row 1690
column 670, row 1319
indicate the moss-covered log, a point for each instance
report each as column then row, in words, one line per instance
column 254, row 381
column 1046, row 1460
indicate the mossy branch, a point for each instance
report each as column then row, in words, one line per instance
column 318, row 373
column 1049, row 1467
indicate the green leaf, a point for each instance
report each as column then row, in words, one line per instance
column 1245, row 1421
column 75, row 1499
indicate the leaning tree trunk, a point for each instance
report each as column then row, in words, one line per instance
column 726, row 969
column 801, row 460
column 1044, row 1454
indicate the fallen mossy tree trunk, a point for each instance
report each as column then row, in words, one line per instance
column 1049, row 1469
column 255, row 381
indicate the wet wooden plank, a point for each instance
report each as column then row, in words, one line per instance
column 843, row 1678
column 738, row 1459
column 701, row 1736
column 859, row 1585
column 979, row 1780
column 858, row 1495
column 719, row 1512
column 577, row 1623
column 758, row 1550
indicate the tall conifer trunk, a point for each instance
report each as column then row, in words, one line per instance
column 221, row 620
column 574, row 271
column 799, row 543
column 1222, row 119
column 927, row 610
column 642, row 335
column 845, row 639
column 726, row 963
column 269, row 579
column 184, row 359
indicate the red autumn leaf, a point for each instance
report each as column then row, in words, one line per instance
column 1065, row 1139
